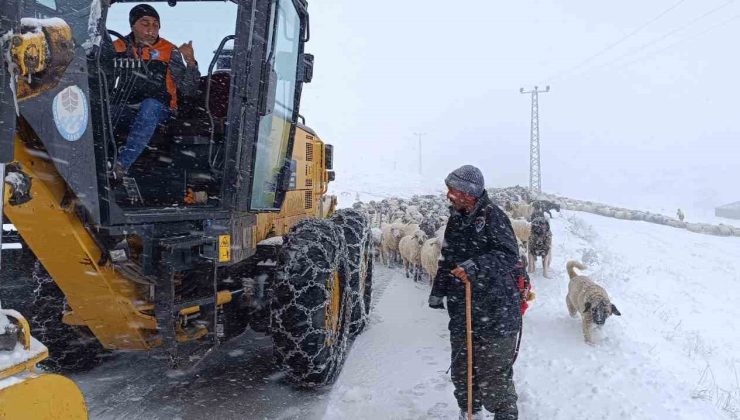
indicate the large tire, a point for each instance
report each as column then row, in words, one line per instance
column 28, row 288
column 310, row 307
column 359, row 260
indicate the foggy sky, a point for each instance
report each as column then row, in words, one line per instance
column 659, row 119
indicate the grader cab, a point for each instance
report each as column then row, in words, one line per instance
column 222, row 224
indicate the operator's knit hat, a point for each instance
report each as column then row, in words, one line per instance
column 467, row 179
column 141, row 10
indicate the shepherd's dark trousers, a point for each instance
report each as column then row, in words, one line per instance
column 493, row 384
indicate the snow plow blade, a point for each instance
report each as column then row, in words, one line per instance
column 41, row 397
column 26, row 393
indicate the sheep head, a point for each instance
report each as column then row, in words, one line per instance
column 420, row 237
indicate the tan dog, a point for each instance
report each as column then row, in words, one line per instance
column 588, row 298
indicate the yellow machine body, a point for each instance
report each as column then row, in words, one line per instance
column 115, row 309
column 42, row 54
column 28, row 394
column 99, row 297
column 308, row 198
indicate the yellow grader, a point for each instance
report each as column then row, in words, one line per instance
column 222, row 224
column 26, row 393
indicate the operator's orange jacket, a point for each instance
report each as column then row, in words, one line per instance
column 156, row 80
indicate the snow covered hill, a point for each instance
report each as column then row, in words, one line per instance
column 674, row 354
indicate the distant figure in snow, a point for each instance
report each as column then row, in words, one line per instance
column 680, row 215
column 480, row 248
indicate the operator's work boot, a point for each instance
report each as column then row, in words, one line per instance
column 117, row 173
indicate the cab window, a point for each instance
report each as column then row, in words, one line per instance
column 181, row 163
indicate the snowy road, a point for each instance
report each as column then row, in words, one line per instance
column 401, row 357
column 673, row 354
column 238, row 382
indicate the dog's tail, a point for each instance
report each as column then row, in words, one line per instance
column 574, row 264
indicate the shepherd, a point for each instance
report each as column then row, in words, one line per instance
column 480, row 254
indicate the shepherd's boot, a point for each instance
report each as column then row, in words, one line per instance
column 477, row 415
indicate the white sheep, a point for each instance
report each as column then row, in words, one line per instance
column 522, row 230
column 391, row 234
column 376, row 235
column 410, row 249
column 409, row 229
column 431, row 252
column 413, row 214
column 521, row 211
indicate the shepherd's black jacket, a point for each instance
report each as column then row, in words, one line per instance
column 483, row 242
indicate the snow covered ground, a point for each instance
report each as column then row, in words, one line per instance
column 674, row 354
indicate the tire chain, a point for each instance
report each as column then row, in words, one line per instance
column 291, row 346
column 354, row 225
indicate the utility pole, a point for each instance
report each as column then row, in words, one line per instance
column 418, row 135
column 535, row 177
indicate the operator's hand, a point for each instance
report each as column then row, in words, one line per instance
column 460, row 273
column 187, row 53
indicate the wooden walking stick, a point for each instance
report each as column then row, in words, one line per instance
column 469, row 333
column 463, row 276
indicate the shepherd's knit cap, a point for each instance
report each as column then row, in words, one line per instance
column 468, row 179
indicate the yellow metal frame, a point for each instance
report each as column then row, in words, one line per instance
column 42, row 56
column 311, row 180
column 43, row 397
column 29, row 364
column 332, row 308
column 117, row 310
column 100, row 298
column 34, row 395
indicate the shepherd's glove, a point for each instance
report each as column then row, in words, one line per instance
column 436, row 302
column 469, row 267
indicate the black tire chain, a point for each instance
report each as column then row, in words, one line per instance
column 311, row 253
column 357, row 234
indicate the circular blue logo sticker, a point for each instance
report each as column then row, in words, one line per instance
column 70, row 113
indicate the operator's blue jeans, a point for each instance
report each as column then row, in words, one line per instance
column 142, row 122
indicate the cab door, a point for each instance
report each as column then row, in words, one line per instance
column 267, row 123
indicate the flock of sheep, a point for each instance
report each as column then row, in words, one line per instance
column 410, row 232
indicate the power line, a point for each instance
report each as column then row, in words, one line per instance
column 662, row 37
column 682, row 40
column 612, row 45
